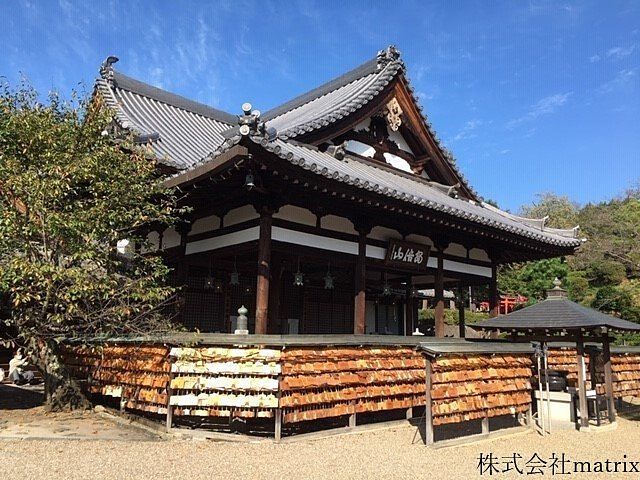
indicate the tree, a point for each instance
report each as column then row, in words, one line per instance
column 533, row 279
column 613, row 230
column 604, row 273
column 562, row 212
column 68, row 193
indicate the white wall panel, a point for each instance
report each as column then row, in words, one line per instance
column 239, row 215
column 205, row 224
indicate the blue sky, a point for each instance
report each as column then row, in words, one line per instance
column 530, row 96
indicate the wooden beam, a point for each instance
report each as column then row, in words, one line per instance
column 608, row 378
column 207, row 168
column 582, row 389
column 264, row 261
column 439, row 296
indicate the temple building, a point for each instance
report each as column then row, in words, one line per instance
column 325, row 215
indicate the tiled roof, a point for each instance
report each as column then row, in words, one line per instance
column 345, row 95
column 181, row 132
column 335, row 100
column 556, row 313
column 184, row 132
column 377, row 178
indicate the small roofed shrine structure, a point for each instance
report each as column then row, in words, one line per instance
column 558, row 319
column 324, row 215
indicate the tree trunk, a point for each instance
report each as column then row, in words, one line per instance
column 61, row 390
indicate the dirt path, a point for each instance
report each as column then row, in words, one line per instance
column 23, row 417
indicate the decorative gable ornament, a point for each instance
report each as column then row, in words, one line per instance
column 393, row 114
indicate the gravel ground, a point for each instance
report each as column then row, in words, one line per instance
column 376, row 454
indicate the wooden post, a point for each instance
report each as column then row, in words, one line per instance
column 593, row 354
column 182, row 268
column 485, row 423
column 409, row 306
column 461, row 322
column 582, row 390
column 275, row 292
column 494, row 300
column 169, row 406
column 352, row 417
column 608, row 378
column 264, row 260
column 277, row 432
column 359, row 319
column 278, row 425
column 428, row 404
column 439, row 295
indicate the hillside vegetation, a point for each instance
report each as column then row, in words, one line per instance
column 605, row 271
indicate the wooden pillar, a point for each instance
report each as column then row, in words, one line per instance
column 582, row 389
column 593, row 355
column 182, row 268
column 409, row 306
column 169, row 419
column 275, row 292
column 461, row 321
column 494, row 298
column 439, row 295
column 277, row 428
column 485, row 423
column 352, row 417
column 608, row 378
column 428, row 404
column 359, row 319
column 264, row 261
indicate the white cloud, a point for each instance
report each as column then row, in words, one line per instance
column 467, row 130
column 618, row 53
column 623, row 79
column 594, row 58
column 157, row 75
column 505, row 151
column 544, row 106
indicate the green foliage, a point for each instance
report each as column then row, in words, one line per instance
column 577, row 286
column 426, row 316
column 562, row 212
column 605, row 272
column 531, row 279
column 613, row 231
column 616, row 300
column 68, row 193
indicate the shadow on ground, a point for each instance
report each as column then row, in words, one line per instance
column 20, row 398
column 629, row 410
